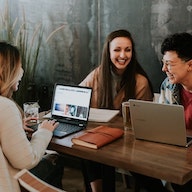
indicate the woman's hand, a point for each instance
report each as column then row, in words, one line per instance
column 27, row 123
column 49, row 125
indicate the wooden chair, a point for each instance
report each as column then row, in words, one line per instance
column 30, row 183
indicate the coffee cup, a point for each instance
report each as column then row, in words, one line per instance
column 31, row 109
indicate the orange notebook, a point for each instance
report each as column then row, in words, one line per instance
column 98, row 137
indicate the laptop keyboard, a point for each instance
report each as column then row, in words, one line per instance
column 34, row 127
column 68, row 128
column 65, row 129
column 62, row 130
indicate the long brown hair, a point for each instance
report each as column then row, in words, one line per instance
column 9, row 68
column 128, row 81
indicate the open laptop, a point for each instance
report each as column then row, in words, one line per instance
column 70, row 107
column 157, row 122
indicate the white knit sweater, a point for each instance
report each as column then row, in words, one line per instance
column 16, row 152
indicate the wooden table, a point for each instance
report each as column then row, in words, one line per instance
column 167, row 162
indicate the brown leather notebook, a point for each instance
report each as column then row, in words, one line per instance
column 98, row 137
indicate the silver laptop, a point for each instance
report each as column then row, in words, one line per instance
column 70, row 107
column 157, row 122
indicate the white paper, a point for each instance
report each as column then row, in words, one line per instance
column 102, row 115
column 96, row 115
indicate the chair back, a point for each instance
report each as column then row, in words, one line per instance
column 30, row 183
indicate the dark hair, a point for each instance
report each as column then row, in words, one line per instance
column 105, row 99
column 179, row 42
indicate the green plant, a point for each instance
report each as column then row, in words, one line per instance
column 29, row 49
column 29, row 45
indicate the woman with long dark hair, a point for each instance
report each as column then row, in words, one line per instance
column 118, row 78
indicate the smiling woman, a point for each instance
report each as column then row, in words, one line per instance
column 120, row 54
column 118, row 78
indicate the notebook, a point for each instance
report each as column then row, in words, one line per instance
column 96, row 115
column 70, row 107
column 157, row 122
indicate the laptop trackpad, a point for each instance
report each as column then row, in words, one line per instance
column 59, row 133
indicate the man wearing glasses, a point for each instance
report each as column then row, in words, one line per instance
column 177, row 87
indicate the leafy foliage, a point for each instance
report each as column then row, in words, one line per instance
column 29, row 44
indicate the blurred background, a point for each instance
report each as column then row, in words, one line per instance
column 64, row 38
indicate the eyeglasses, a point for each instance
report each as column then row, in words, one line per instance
column 169, row 64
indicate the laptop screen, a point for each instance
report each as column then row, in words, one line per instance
column 71, row 102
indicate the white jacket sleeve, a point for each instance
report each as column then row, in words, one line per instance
column 20, row 152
